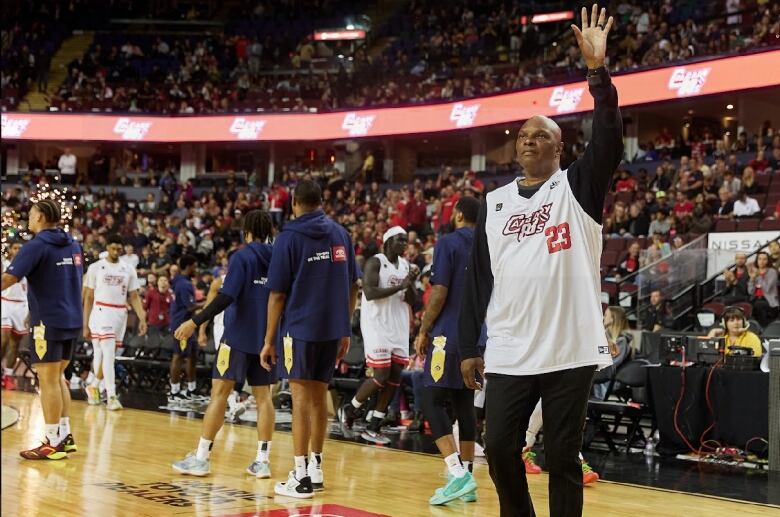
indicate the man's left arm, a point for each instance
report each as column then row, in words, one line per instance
column 591, row 175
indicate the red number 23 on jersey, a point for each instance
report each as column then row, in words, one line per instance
column 558, row 238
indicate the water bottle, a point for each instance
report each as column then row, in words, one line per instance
column 650, row 445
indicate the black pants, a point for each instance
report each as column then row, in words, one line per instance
column 509, row 402
column 434, row 402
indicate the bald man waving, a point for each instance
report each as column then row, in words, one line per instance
column 533, row 278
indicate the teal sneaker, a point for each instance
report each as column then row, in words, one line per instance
column 454, row 489
column 192, row 465
column 471, row 497
column 260, row 469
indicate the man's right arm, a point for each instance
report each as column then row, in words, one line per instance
column 477, row 289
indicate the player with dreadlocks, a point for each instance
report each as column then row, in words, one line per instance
column 244, row 298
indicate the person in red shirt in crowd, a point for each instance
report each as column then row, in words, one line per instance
column 277, row 199
column 683, row 206
column 157, row 303
column 474, row 183
column 759, row 163
column 415, row 212
column 449, row 199
column 626, row 183
column 631, row 263
column 665, row 140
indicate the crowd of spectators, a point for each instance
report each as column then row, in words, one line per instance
column 441, row 51
column 710, row 187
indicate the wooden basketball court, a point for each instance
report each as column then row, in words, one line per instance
column 123, row 469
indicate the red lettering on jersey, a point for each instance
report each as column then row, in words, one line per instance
column 525, row 225
column 339, row 254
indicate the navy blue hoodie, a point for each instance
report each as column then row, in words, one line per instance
column 52, row 262
column 313, row 263
column 245, row 283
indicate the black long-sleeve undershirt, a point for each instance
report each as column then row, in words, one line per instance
column 217, row 305
column 589, row 178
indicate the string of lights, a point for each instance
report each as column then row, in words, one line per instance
column 14, row 224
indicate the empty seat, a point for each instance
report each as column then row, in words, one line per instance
column 609, row 258
column 746, row 308
column 747, row 225
column 770, row 224
column 724, row 225
column 617, row 245
column 715, row 307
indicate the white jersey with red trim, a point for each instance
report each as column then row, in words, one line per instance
column 17, row 293
column 385, row 322
column 111, row 282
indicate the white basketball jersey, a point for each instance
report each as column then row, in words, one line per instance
column 219, row 322
column 385, row 322
column 17, row 293
column 111, row 282
column 544, row 313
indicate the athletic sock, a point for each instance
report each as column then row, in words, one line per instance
column 356, row 403
column 379, row 415
column 454, row 466
column 192, row 386
column 64, row 426
column 204, row 449
column 52, row 434
column 300, row 467
column 175, row 388
column 263, row 451
column 8, row 371
column 315, row 458
column 468, row 465
column 581, row 458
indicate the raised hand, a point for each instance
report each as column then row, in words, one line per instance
column 592, row 38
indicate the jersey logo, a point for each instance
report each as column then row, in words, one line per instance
column 77, row 259
column 603, row 349
column 525, row 225
column 499, row 206
column 553, row 184
column 339, row 254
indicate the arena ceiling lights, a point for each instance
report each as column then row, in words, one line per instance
column 664, row 84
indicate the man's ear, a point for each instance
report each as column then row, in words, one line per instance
column 559, row 151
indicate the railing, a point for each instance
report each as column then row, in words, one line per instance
column 710, row 288
column 674, row 275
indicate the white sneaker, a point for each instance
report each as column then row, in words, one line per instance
column 300, row 489
column 113, row 403
column 317, row 477
column 259, row 469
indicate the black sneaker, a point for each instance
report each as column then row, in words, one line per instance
column 349, row 413
column 298, row 488
column 373, row 433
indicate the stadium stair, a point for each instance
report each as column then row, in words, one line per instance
column 380, row 14
column 72, row 48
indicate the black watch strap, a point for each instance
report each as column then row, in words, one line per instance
column 596, row 76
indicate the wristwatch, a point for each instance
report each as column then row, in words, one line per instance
column 595, row 76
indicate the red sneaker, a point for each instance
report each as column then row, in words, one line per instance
column 529, row 458
column 45, row 452
column 9, row 383
column 588, row 474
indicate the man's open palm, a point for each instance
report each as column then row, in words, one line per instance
column 592, row 39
